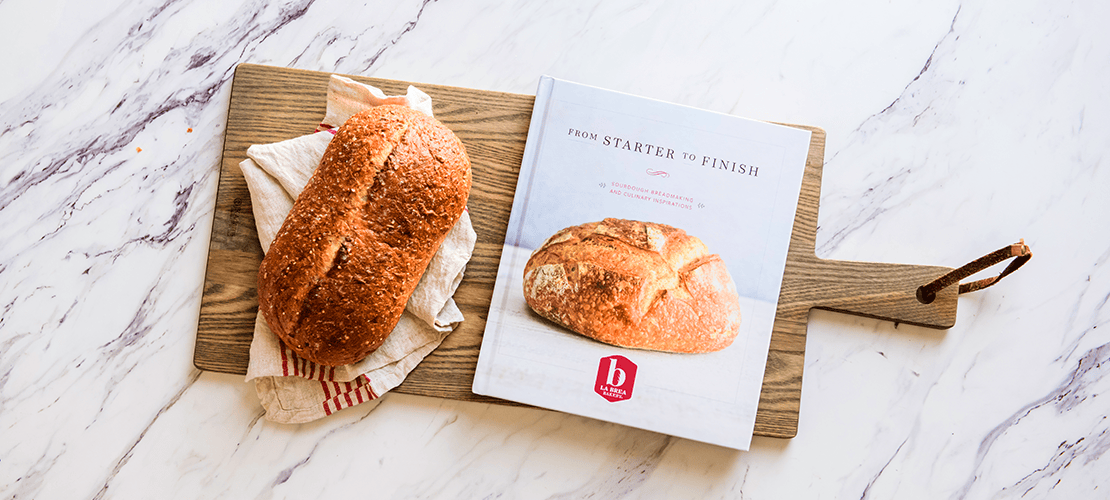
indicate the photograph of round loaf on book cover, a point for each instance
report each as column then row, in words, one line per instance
column 643, row 256
column 635, row 284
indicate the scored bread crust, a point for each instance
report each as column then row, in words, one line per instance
column 391, row 184
column 635, row 284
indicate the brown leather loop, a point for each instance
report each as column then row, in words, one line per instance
column 926, row 294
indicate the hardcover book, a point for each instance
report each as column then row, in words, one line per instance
column 642, row 263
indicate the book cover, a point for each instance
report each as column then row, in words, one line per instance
column 657, row 235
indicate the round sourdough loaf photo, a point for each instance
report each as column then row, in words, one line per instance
column 634, row 284
column 391, row 184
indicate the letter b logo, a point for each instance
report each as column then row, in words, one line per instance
column 615, row 377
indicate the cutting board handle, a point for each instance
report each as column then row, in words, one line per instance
column 918, row 295
column 875, row 290
column 889, row 292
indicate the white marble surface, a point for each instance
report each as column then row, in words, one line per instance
column 954, row 128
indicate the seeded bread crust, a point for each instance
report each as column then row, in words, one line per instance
column 635, row 284
column 336, row 279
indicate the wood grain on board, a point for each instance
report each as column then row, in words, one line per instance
column 270, row 104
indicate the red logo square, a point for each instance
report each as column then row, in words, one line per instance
column 615, row 377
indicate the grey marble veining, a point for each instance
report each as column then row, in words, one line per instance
column 954, row 128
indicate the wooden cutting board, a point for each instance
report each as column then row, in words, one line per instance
column 270, row 104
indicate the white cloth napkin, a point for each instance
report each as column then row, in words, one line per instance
column 295, row 390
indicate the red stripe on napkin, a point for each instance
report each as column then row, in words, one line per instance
column 337, row 395
column 327, row 397
column 346, row 394
column 369, row 390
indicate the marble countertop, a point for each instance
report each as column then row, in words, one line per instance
column 954, row 128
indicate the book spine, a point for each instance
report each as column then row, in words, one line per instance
column 532, row 147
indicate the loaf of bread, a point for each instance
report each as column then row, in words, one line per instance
column 336, row 278
column 635, row 284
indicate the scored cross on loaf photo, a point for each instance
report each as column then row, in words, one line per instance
column 635, row 284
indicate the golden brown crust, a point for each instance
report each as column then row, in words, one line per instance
column 335, row 281
column 634, row 284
